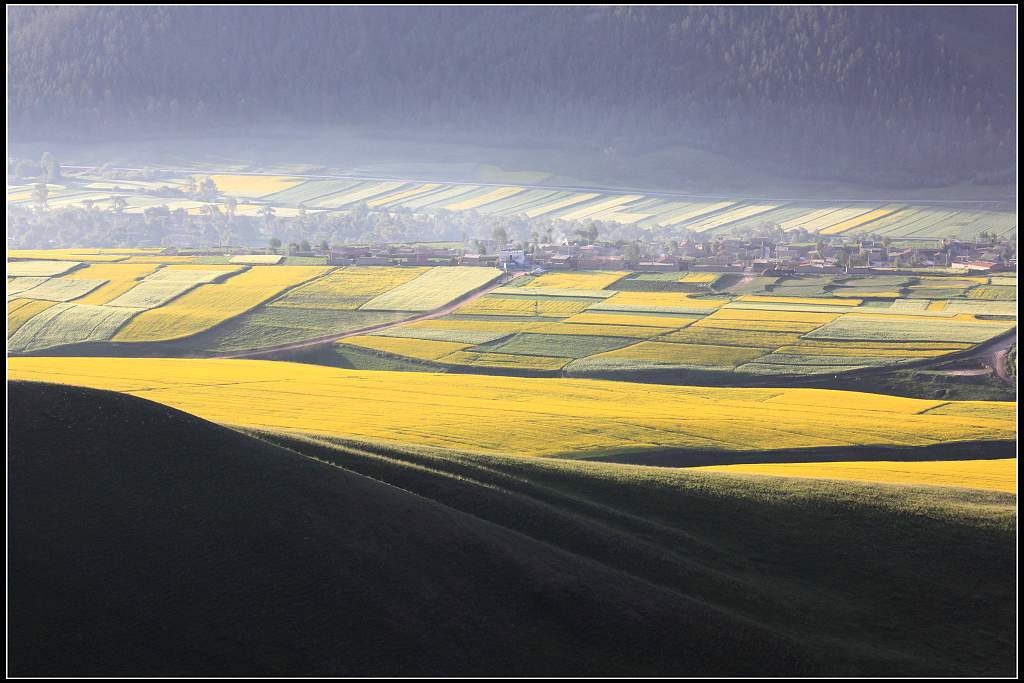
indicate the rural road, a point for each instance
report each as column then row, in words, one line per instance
column 992, row 356
column 564, row 188
column 331, row 338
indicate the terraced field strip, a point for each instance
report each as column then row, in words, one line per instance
column 309, row 191
column 722, row 219
column 551, row 207
column 598, row 207
column 992, row 475
column 484, row 199
column 585, row 280
column 863, row 219
column 253, row 185
column 621, row 217
column 520, row 203
column 433, row 198
column 402, row 195
column 837, row 217
column 543, row 416
column 347, row 198
column 695, row 211
column 809, row 218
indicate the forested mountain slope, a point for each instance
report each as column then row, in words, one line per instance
column 898, row 96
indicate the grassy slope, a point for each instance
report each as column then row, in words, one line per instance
column 146, row 540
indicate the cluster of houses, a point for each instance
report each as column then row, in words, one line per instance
column 760, row 255
column 752, row 255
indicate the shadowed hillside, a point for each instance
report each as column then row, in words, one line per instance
column 144, row 540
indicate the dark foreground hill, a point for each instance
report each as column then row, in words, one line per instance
column 146, row 541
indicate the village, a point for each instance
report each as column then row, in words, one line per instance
column 725, row 255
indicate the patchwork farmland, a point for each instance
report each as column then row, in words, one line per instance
column 287, row 195
column 622, row 325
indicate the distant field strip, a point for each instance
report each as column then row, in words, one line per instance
column 399, row 196
column 591, row 209
column 538, row 416
column 493, row 196
column 694, row 212
column 345, row 198
column 253, row 185
column 545, row 209
column 858, row 221
column 727, row 217
column 993, row 475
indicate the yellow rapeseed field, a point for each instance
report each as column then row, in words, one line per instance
column 700, row 355
column 546, row 308
column 518, row 415
column 799, row 300
column 211, row 304
column 762, row 314
column 497, row 326
column 638, row 331
column 504, row 360
column 253, row 185
column 661, row 321
column 861, row 351
column 40, row 268
column 993, row 475
column 577, row 280
column 768, row 325
column 699, row 278
column 665, row 300
column 423, row 349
